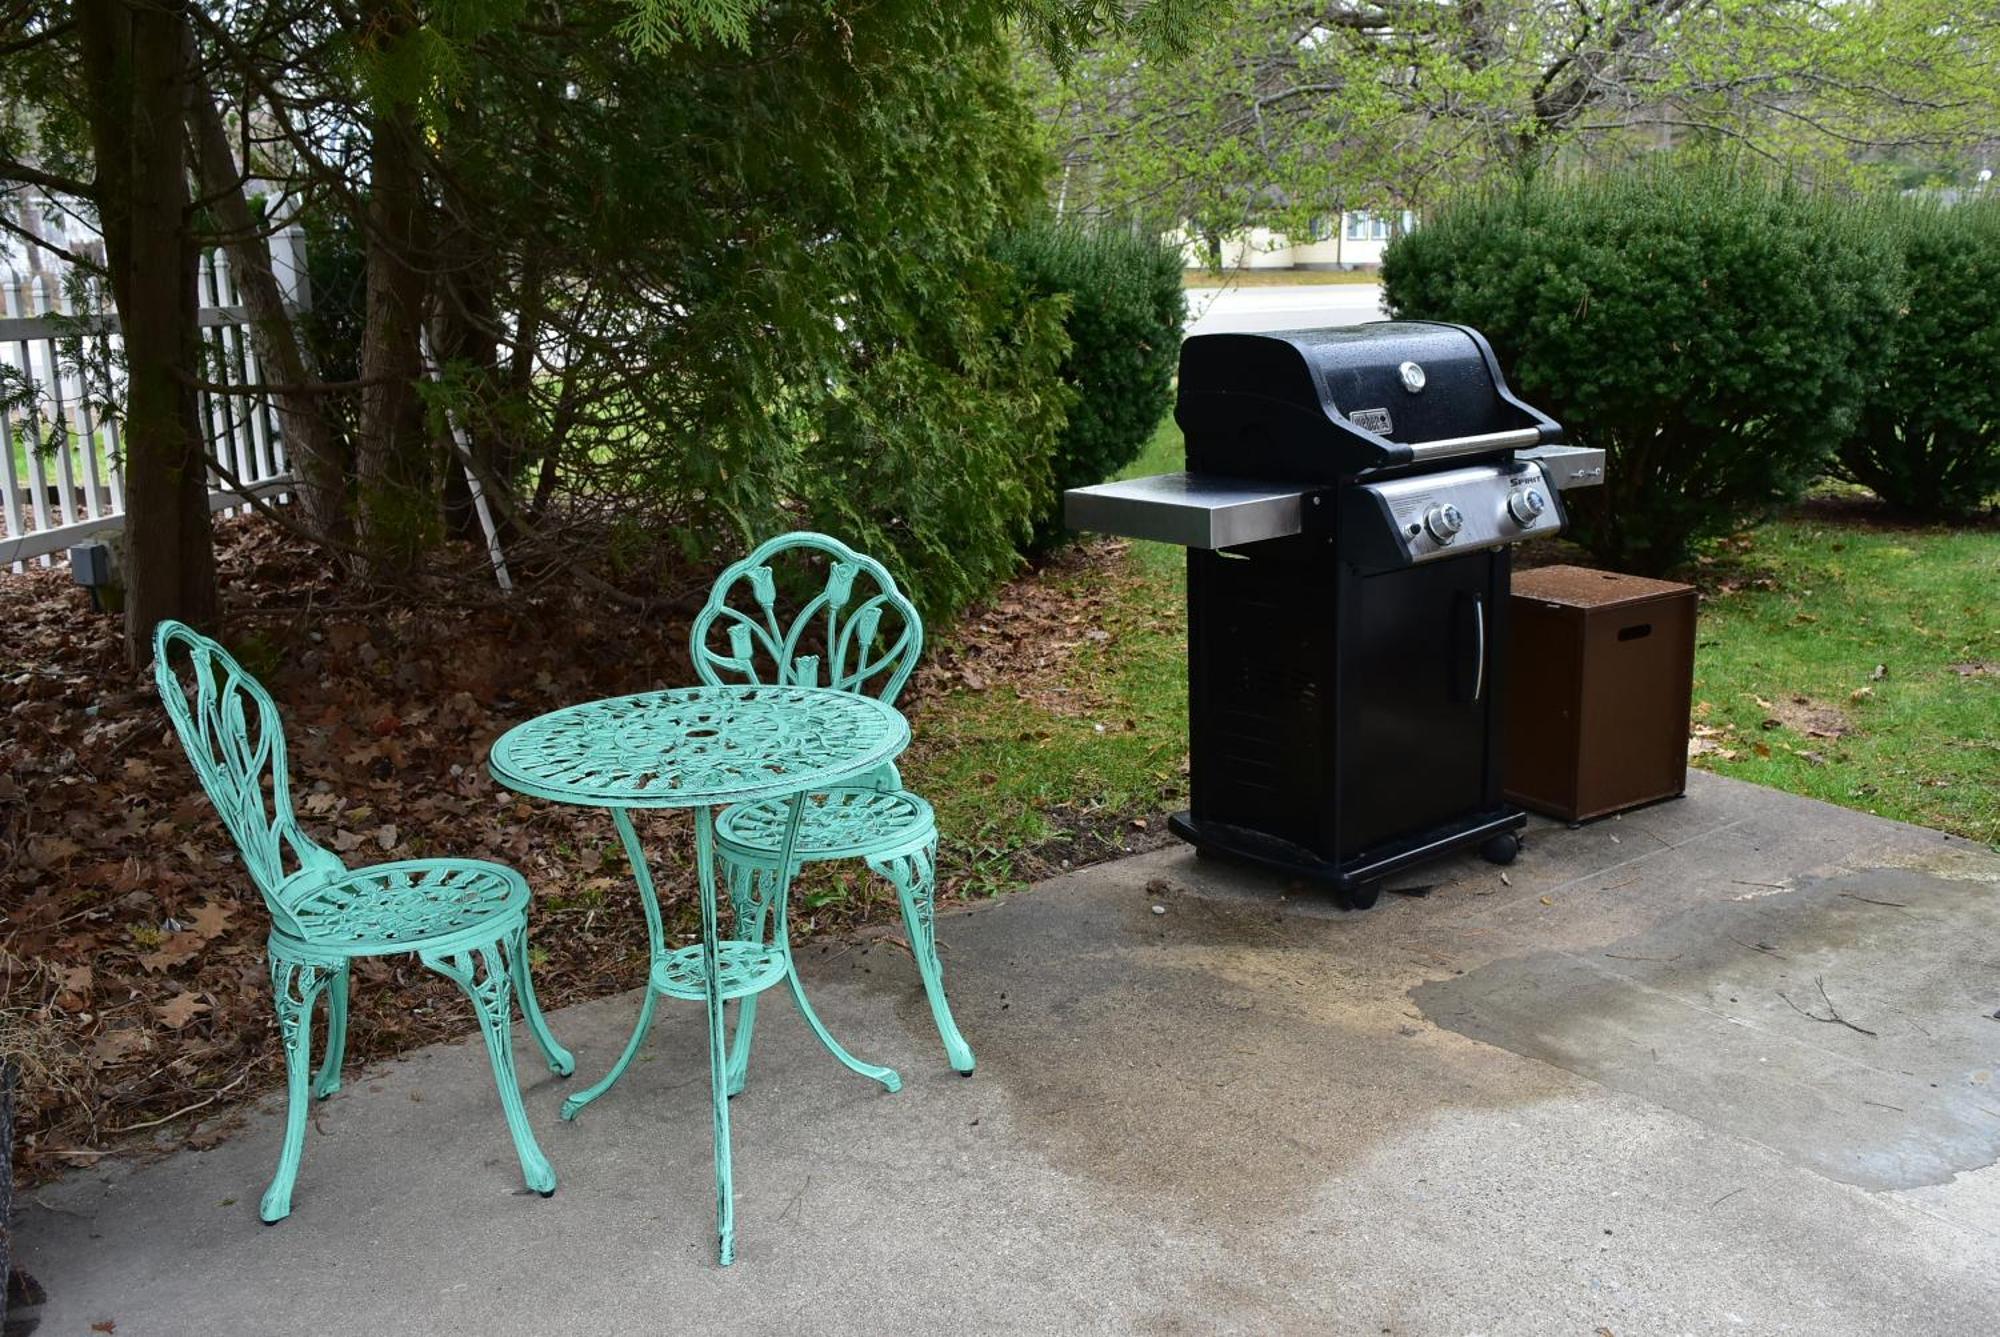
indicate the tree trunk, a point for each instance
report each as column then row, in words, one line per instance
column 134, row 63
column 314, row 452
column 462, row 334
column 397, row 512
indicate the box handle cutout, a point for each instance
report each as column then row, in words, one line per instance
column 1638, row 631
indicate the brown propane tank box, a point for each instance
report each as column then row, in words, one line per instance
column 1598, row 687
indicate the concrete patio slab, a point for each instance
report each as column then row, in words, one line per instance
column 1724, row 1065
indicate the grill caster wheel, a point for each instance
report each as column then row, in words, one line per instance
column 1500, row 849
column 1361, row 898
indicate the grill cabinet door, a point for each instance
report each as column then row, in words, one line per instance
column 1418, row 662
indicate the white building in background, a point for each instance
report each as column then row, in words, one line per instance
column 1355, row 241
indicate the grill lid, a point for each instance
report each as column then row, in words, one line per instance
column 1321, row 404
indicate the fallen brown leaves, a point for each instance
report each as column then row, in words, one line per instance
column 1024, row 638
column 132, row 973
column 133, row 982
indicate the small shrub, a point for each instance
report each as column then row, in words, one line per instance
column 1124, row 326
column 1714, row 332
column 1928, row 438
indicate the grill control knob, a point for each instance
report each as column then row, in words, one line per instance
column 1444, row 522
column 1526, row 505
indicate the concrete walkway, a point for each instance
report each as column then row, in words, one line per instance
column 1585, row 1098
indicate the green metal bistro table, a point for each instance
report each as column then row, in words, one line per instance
column 705, row 748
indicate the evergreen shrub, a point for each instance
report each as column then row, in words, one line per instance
column 1928, row 436
column 1715, row 331
column 1125, row 312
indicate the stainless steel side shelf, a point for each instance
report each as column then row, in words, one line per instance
column 1568, row 466
column 1194, row 511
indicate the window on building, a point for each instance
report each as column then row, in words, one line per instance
column 1365, row 225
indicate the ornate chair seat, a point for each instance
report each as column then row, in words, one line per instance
column 848, row 823
column 408, row 906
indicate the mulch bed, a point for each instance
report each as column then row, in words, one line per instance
column 132, row 973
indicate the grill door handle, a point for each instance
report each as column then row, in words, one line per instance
column 1478, row 647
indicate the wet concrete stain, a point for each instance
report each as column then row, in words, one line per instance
column 1845, row 1020
column 1224, row 1060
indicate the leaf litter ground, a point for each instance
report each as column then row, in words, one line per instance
column 132, row 975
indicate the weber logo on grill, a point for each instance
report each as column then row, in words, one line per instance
column 1372, row 420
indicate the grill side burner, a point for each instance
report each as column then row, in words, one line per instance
column 1350, row 505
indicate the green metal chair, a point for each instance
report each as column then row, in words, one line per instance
column 859, row 634
column 464, row 918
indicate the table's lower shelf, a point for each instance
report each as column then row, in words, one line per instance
column 744, row 968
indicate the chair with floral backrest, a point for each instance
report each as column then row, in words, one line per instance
column 857, row 633
column 464, row 918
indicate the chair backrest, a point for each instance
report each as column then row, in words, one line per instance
column 229, row 727
column 857, row 633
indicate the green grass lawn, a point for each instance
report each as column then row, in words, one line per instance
column 1795, row 618
column 1006, row 771
column 22, row 447
column 1859, row 665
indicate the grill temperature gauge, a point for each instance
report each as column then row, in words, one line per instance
column 1444, row 522
column 1526, row 505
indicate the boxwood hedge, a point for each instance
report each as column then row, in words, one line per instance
column 1928, row 436
column 1124, row 326
column 1715, row 331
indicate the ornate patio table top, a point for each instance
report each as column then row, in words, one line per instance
column 699, row 746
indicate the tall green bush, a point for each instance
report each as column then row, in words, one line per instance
column 934, row 455
column 1124, row 326
column 1715, row 332
column 1928, row 438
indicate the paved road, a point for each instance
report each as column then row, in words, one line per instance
column 1302, row 306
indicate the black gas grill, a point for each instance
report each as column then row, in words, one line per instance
column 1349, row 506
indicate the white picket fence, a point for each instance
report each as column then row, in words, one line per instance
column 61, row 457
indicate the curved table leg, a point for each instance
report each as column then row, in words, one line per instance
column 655, row 937
column 887, row 1076
column 573, row 1104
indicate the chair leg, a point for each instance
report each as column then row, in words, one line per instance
column 561, row 1062
column 294, row 985
column 915, row 877
column 750, row 895
column 328, row 1080
column 482, row 973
